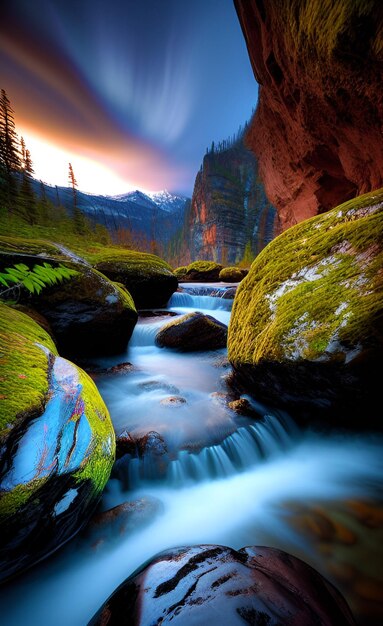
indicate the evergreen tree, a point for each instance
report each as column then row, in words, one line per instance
column 78, row 216
column 27, row 197
column 9, row 156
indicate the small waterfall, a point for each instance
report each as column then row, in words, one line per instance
column 182, row 300
column 214, row 290
column 144, row 334
column 243, row 449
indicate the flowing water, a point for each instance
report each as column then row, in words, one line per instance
column 223, row 479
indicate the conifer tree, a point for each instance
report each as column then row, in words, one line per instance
column 78, row 216
column 27, row 196
column 9, row 155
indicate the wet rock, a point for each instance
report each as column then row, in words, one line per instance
column 158, row 385
column 306, row 329
column 148, row 278
column 125, row 444
column 173, row 401
column 123, row 519
column 229, row 293
column 57, row 445
column 120, row 368
column 316, row 137
column 152, row 444
column 243, row 407
column 150, row 449
column 217, row 585
column 191, row 332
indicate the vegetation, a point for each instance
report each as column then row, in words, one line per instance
column 24, row 367
column 231, row 274
column 34, row 280
column 315, row 288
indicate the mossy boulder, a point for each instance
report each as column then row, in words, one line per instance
column 180, row 272
column 148, row 278
column 200, row 271
column 57, row 444
column 216, row 585
column 231, row 274
column 88, row 314
column 191, row 332
column 307, row 324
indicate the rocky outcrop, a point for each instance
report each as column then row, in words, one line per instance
column 306, row 330
column 193, row 331
column 148, row 278
column 317, row 132
column 231, row 218
column 57, row 445
column 215, row 585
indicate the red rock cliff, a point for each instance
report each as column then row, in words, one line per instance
column 318, row 128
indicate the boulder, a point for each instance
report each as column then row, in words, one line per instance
column 193, row 331
column 148, row 278
column 57, row 445
column 307, row 325
column 231, row 275
column 200, row 271
column 150, row 449
column 88, row 314
column 215, row 585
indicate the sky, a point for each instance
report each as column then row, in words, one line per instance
column 131, row 92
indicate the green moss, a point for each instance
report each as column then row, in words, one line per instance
column 231, row 274
column 314, row 287
column 138, row 262
column 180, row 271
column 203, row 266
column 22, row 245
column 23, row 367
column 99, row 463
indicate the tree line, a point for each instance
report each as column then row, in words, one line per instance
column 19, row 199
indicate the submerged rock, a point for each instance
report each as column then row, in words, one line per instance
column 125, row 518
column 193, row 331
column 173, row 401
column 148, row 278
column 215, row 585
column 307, row 324
column 57, row 445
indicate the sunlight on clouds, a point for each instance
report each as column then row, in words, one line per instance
column 51, row 165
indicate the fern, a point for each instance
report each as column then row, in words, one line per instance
column 34, row 280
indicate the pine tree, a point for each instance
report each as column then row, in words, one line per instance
column 78, row 216
column 9, row 156
column 27, row 199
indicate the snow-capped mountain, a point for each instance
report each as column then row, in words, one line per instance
column 163, row 199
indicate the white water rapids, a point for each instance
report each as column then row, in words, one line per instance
column 228, row 480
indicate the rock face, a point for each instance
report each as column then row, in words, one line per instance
column 194, row 331
column 306, row 329
column 57, row 445
column 216, row 585
column 317, row 129
column 148, row 278
column 230, row 215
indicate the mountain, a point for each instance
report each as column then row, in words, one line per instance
column 230, row 218
column 155, row 217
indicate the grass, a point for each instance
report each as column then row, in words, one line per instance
column 279, row 313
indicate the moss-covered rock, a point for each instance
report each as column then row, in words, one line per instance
column 57, row 444
column 180, row 272
column 231, row 274
column 88, row 314
column 307, row 323
column 193, row 331
column 148, row 278
column 202, row 271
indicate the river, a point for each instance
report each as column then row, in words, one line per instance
column 227, row 480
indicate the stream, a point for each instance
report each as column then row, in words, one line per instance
column 224, row 479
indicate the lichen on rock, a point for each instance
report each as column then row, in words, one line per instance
column 307, row 320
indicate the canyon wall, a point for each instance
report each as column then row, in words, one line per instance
column 231, row 218
column 317, row 131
